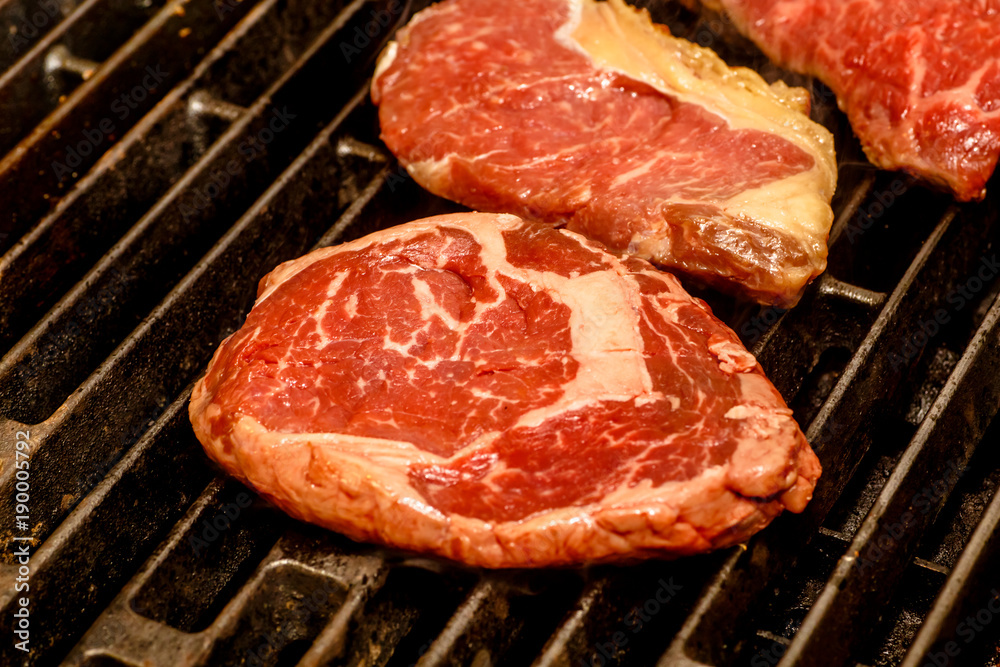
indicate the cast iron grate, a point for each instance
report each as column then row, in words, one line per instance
column 134, row 231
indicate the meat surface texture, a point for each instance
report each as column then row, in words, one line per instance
column 920, row 81
column 500, row 393
column 585, row 114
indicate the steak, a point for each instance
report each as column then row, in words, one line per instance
column 500, row 393
column 585, row 114
column 920, row 81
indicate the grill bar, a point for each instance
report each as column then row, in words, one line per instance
column 571, row 637
column 80, row 567
column 234, row 582
column 332, row 642
column 92, row 411
column 859, row 399
column 129, row 180
column 941, row 449
column 623, row 615
column 157, row 250
column 76, row 131
column 485, row 609
column 25, row 105
column 968, row 590
column 26, row 23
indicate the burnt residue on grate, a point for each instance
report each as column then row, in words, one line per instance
column 239, row 135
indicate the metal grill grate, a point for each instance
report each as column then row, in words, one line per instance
column 161, row 157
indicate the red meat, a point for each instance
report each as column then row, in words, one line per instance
column 920, row 81
column 585, row 114
column 503, row 394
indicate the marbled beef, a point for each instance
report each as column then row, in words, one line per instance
column 919, row 80
column 500, row 393
column 585, row 114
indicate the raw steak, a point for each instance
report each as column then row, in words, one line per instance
column 586, row 114
column 920, row 81
column 500, row 393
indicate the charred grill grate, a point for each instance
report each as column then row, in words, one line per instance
column 161, row 156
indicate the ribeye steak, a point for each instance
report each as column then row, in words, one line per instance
column 500, row 393
column 585, row 114
column 919, row 80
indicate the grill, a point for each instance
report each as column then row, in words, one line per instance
column 160, row 157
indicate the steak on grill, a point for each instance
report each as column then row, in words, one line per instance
column 586, row 114
column 920, row 81
column 500, row 393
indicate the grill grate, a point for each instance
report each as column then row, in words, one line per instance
column 124, row 267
